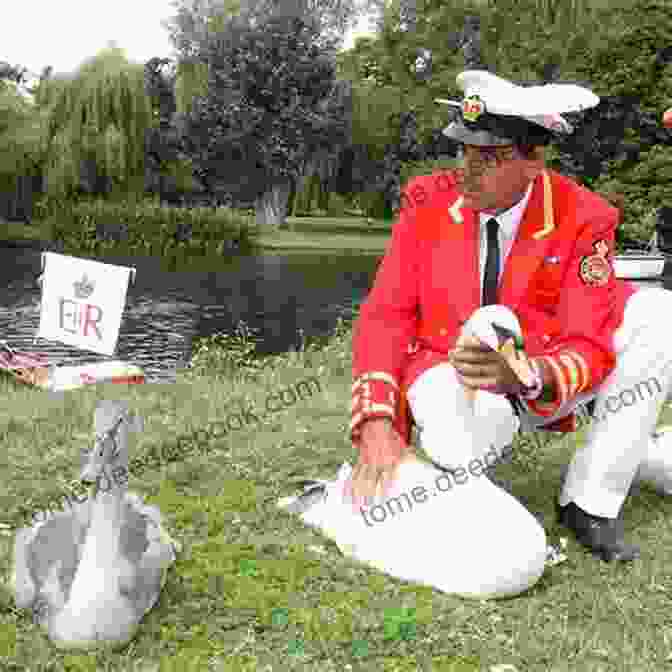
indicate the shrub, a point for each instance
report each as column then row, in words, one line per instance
column 90, row 226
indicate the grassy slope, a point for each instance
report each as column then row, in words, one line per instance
column 249, row 594
column 329, row 233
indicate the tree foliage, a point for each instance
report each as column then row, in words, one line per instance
column 21, row 147
column 196, row 21
column 97, row 119
column 272, row 103
column 631, row 68
column 621, row 49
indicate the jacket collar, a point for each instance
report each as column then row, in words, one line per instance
column 459, row 229
column 529, row 247
column 510, row 219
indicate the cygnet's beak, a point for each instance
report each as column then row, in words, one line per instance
column 88, row 475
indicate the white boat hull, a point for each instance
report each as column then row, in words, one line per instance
column 34, row 369
column 71, row 377
column 639, row 266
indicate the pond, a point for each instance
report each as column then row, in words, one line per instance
column 285, row 296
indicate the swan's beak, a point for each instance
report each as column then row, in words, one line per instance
column 88, row 474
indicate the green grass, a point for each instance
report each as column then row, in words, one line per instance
column 328, row 233
column 247, row 592
column 321, row 242
column 340, row 224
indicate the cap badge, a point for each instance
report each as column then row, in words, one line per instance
column 472, row 108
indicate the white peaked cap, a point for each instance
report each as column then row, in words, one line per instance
column 541, row 104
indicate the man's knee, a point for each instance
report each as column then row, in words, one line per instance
column 651, row 305
column 645, row 321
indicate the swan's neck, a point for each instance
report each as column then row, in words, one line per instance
column 106, row 511
column 102, row 538
column 99, row 559
column 110, row 489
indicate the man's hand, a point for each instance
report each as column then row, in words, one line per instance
column 481, row 367
column 381, row 449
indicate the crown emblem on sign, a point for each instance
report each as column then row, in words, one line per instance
column 472, row 108
column 83, row 288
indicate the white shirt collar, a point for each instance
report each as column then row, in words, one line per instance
column 510, row 219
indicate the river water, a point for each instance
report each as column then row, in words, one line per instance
column 279, row 294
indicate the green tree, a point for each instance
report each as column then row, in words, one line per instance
column 96, row 125
column 23, row 130
column 196, row 20
column 627, row 63
column 272, row 105
column 168, row 170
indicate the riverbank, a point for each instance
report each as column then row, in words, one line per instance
column 318, row 234
column 25, row 236
column 321, row 234
column 303, row 234
column 254, row 590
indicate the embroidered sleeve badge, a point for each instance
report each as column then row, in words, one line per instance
column 595, row 269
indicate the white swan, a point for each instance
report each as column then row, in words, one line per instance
column 91, row 573
column 473, row 540
column 470, row 539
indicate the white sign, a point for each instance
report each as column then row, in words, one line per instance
column 82, row 302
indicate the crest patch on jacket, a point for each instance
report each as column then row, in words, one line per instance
column 595, row 269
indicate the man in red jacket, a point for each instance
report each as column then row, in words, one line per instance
column 506, row 230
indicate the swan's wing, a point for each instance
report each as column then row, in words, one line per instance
column 152, row 516
column 55, row 541
column 21, row 580
column 133, row 540
column 149, row 550
column 52, row 596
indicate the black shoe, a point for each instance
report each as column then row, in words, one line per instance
column 603, row 536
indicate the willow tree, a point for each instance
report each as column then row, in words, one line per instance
column 97, row 121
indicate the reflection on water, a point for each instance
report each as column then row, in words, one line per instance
column 280, row 294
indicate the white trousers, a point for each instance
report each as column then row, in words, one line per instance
column 620, row 446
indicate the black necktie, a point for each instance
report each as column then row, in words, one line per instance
column 491, row 275
column 490, row 278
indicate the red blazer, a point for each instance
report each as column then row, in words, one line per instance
column 558, row 279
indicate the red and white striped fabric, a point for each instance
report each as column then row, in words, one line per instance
column 34, row 369
column 22, row 360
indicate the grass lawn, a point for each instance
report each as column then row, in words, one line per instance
column 340, row 224
column 330, row 234
column 321, row 242
column 251, row 590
